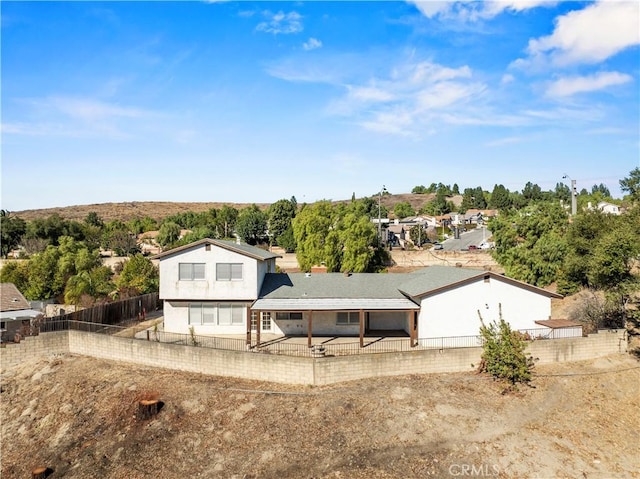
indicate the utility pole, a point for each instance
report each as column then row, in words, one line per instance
column 574, row 196
column 379, row 210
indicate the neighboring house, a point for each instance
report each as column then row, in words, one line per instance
column 473, row 216
column 220, row 287
column 15, row 311
column 609, row 208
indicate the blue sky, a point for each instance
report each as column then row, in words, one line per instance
column 257, row 101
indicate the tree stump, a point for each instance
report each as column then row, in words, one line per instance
column 147, row 408
column 40, row 473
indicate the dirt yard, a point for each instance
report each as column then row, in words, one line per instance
column 77, row 416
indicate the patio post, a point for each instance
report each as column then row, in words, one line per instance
column 258, row 327
column 361, row 320
column 309, row 328
column 412, row 328
column 248, row 342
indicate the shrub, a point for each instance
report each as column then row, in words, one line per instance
column 504, row 353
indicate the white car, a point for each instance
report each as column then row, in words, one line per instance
column 486, row 245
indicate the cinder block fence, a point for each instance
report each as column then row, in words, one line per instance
column 295, row 370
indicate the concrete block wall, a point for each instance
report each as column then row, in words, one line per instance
column 238, row 364
column 295, row 370
column 603, row 343
column 331, row 370
column 29, row 347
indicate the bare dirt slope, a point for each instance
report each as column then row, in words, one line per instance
column 76, row 415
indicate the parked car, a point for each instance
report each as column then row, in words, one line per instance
column 437, row 245
column 472, row 247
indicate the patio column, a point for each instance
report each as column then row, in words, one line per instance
column 248, row 342
column 361, row 321
column 309, row 328
column 413, row 319
column 258, row 327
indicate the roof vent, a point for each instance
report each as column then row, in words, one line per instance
column 307, row 275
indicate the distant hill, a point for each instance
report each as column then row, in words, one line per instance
column 161, row 209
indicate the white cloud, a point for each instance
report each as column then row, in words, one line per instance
column 510, row 140
column 568, row 86
column 312, row 44
column 507, row 78
column 281, row 22
column 587, row 36
column 432, row 8
column 75, row 117
column 414, row 98
column 473, row 10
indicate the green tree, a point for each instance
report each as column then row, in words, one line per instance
column 16, row 272
column 500, row 198
column 12, row 228
column 419, row 190
column 311, row 227
column 403, row 210
column 89, row 284
column 631, row 185
column 341, row 237
column 168, row 234
column 93, row 219
column 280, row 215
column 532, row 192
column 225, row 221
column 138, row 276
column 252, row 225
column 287, row 240
column 530, row 243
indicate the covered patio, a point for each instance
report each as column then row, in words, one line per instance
column 364, row 326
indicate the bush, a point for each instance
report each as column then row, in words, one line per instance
column 504, row 353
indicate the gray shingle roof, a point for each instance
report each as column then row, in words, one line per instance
column 11, row 299
column 433, row 278
column 241, row 248
column 331, row 285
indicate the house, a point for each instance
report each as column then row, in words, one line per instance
column 221, row 287
column 609, row 208
column 15, row 311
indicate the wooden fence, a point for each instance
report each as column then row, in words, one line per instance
column 116, row 312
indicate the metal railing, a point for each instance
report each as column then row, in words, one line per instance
column 281, row 345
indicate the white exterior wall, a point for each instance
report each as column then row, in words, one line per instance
column 323, row 324
column 210, row 289
column 454, row 312
column 176, row 320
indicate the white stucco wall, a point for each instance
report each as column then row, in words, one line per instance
column 209, row 289
column 454, row 312
column 176, row 320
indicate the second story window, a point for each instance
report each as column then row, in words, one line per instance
column 191, row 271
column 229, row 271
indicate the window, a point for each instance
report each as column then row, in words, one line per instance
column 223, row 314
column 230, row 314
column 351, row 317
column 191, row 271
column 228, row 271
column 288, row 316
